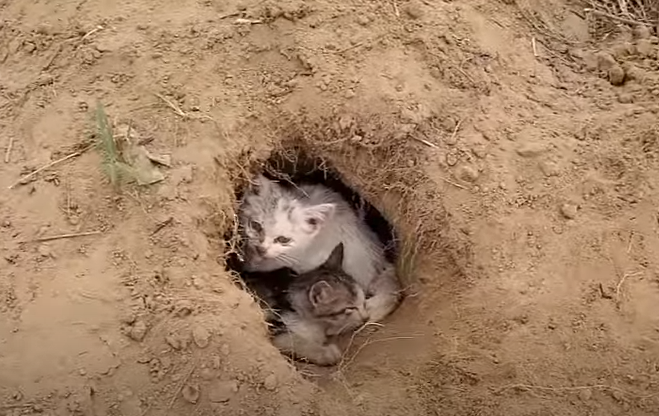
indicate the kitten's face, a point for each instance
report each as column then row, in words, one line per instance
column 336, row 299
column 338, row 304
column 275, row 222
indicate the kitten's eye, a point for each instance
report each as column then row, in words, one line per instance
column 282, row 240
column 256, row 226
column 312, row 221
column 348, row 311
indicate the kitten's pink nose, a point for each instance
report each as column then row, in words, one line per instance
column 363, row 315
column 260, row 250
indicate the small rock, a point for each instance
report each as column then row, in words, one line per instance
column 585, row 395
column 201, row 336
column 345, row 122
column 30, row 47
column 642, row 32
column 548, row 168
column 349, row 94
column 44, row 251
column 618, row 395
column 270, row 382
column 103, row 47
column 645, row 47
column 413, row 10
column 616, row 75
column 451, row 159
column 625, row 98
column 222, row 391
column 467, row 173
column 225, row 350
column 569, row 210
column 190, row 393
column 183, row 308
column 177, row 341
column 138, row 331
column 531, row 149
column 363, row 20
column 623, row 50
column 82, row 372
column 605, row 61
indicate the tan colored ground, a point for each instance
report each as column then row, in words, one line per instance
column 534, row 209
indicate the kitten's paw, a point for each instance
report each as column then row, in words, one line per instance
column 374, row 310
column 329, row 355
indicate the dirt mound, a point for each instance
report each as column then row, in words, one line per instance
column 512, row 145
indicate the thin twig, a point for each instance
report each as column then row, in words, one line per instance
column 424, row 141
column 51, row 164
column 535, row 48
column 8, row 151
column 614, row 17
column 575, row 388
column 240, row 20
column 621, row 282
column 455, row 184
column 366, row 344
column 225, row 16
column 455, row 130
column 173, row 106
column 61, row 236
column 91, row 32
column 180, row 387
column 396, row 10
column 162, row 225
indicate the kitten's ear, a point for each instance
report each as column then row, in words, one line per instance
column 316, row 215
column 321, row 293
column 335, row 260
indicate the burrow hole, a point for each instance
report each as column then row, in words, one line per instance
column 295, row 166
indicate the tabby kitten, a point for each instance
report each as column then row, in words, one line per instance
column 324, row 303
column 299, row 227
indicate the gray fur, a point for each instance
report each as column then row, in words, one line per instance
column 325, row 303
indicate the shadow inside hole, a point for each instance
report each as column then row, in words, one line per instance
column 295, row 166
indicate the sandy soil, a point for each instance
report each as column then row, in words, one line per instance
column 513, row 144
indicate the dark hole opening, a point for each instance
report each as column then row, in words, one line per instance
column 295, row 167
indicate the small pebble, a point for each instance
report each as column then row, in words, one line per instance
column 270, row 382
column 531, row 149
column 413, row 10
column 138, row 331
column 585, row 395
column 605, row 61
column 222, row 391
column 363, row 20
column 467, row 173
column 616, row 75
column 569, row 211
column 201, row 336
column 190, row 393
column 642, row 32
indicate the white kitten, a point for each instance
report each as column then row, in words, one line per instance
column 299, row 227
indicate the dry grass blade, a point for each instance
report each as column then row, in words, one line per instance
column 49, row 165
column 113, row 166
column 636, row 12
